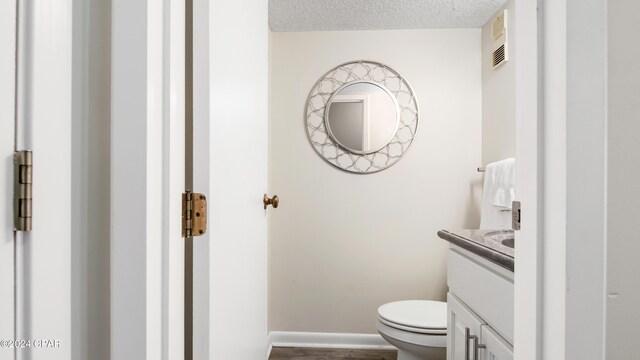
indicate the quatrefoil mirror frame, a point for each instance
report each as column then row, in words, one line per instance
column 342, row 76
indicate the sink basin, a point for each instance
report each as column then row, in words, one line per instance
column 508, row 242
column 501, row 237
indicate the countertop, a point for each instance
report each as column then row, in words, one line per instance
column 484, row 243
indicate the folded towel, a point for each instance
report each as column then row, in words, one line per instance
column 498, row 193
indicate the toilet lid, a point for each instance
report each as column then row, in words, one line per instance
column 418, row 314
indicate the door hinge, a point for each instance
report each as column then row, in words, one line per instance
column 194, row 214
column 516, row 215
column 22, row 200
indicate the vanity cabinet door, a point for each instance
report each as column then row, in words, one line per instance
column 460, row 318
column 496, row 348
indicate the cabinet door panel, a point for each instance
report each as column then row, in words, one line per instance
column 460, row 318
column 486, row 288
column 496, row 347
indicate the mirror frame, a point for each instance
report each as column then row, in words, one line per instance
column 337, row 93
column 338, row 78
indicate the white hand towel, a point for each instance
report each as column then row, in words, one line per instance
column 498, row 193
column 504, row 173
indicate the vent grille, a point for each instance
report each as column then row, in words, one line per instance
column 500, row 53
column 498, row 56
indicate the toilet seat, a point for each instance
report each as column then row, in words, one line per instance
column 418, row 328
column 418, row 316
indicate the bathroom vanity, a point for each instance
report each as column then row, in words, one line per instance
column 480, row 298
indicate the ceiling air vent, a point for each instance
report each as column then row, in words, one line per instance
column 499, row 34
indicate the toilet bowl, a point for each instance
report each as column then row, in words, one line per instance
column 418, row 328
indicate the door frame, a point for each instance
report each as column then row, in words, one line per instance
column 575, row 178
column 147, row 179
column 560, row 277
column 529, row 139
column 201, row 105
column 42, row 257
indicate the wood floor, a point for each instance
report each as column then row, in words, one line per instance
column 287, row 353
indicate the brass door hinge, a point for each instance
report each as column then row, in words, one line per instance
column 22, row 200
column 194, row 214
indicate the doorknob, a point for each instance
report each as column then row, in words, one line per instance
column 266, row 200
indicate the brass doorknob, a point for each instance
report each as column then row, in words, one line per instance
column 270, row 201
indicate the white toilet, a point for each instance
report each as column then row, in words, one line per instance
column 418, row 328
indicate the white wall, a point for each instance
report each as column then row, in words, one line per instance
column 499, row 95
column 623, row 267
column 343, row 244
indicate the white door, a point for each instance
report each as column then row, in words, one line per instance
column 230, row 166
column 496, row 348
column 462, row 324
column 7, row 131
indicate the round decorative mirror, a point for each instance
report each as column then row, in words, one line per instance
column 361, row 116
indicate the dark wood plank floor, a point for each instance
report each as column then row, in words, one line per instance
column 287, row 353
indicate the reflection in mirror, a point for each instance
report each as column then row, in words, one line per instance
column 362, row 117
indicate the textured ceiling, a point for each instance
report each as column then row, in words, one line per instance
column 330, row 15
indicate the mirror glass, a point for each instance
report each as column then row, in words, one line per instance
column 362, row 117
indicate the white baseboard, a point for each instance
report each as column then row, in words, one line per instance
column 269, row 345
column 328, row 340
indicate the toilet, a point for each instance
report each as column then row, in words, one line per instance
column 418, row 328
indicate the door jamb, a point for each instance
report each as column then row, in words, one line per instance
column 529, row 136
column 147, row 179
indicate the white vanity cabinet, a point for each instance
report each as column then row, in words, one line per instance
column 480, row 308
